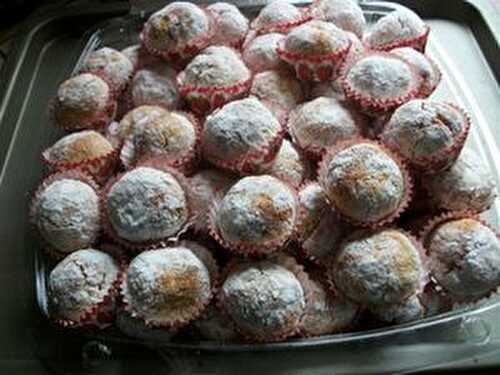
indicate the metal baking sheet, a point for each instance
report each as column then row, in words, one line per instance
column 465, row 47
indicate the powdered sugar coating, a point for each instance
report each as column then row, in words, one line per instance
column 167, row 285
column 155, row 85
column 79, row 282
column 215, row 66
column 176, row 26
column 112, row 64
column 465, row 258
column 313, row 204
column 263, row 299
column 426, row 69
column 238, row 130
column 147, row 204
column 410, row 309
column 381, row 77
column 467, row 185
column 213, row 325
column 260, row 53
column 319, row 229
column 208, row 186
column 289, row 165
column 78, row 147
column 422, row 127
column 320, row 123
column 276, row 12
column 277, row 87
column 256, row 211
column 67, row 215
column 232, row 25
column 140, row 116
column 399, row 25
column 326, row 314
column 382, row 267
column 171, row 135
column 80, row 100
column 317, row 38
column 325, row 238
column 364, row 183
column 345, row 14
column 205, row 256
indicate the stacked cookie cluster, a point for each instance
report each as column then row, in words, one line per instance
column 263, row 179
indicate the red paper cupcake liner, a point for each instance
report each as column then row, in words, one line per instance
column 315, row 152
column 302, row 212
column 333, row 297
column 419, row 43
column 305, row 252
column 96, row 122
column 406, row 199
column 100, row 168
column 116, row 89
column 291, row 265
column 248, row 249
column 181, row 53
column 201, row 225
column 129, row 100
column 253, row 161
column 444, row 158
column 378, row 106
column 180, row 321
column 130, row 153
column 221, row 39
column 204, row 99
column 69, row 174
column 438, row 220
column 314, row 67
column 161, row 165
column 100, row 315
column 207, row 259
column 445, row 217
column 426, row 90
column 359, row 234
column 281, row 27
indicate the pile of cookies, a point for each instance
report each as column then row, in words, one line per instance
column 285, row 176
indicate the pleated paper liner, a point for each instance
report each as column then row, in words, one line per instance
column 132, row 153
column 178, row 320
column 419, row 43
column 261, row 248
column 252, row 161
column 311, row 67
column 221, row 39
column 314, row 151
column 180, row 54
column 97, row 121
column 373, row 106
column 444, row 158
column 279, row 27
column 438, row 220
column 333, row 299
column 100, row 168
column 289, row 263
column 69, row 174
column 99, row 316
column 408, row 181
column 360, row 234
column 160, row 164
column 169, row 106
column 205, row 99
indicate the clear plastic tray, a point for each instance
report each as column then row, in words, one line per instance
column 442, row 338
